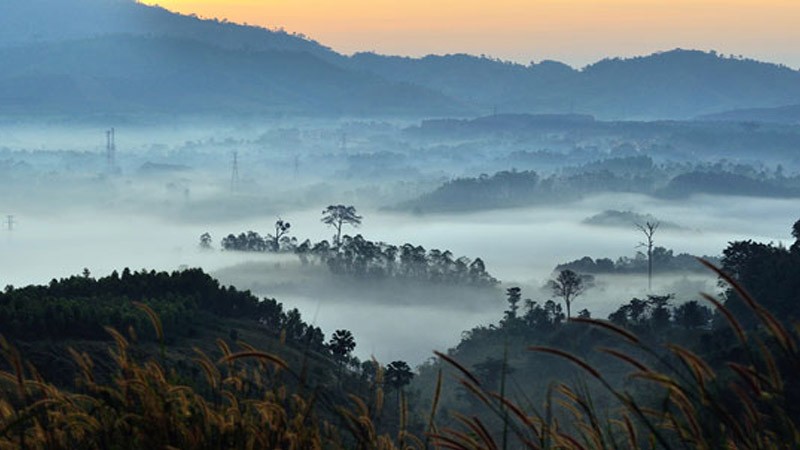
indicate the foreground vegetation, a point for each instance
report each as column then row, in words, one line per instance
column 673, row 377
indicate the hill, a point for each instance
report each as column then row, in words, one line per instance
column 119, row 56
column 111, row 56
column 675, row 84
column 41, row 21
column 138, row 74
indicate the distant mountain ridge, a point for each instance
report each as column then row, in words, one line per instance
column 677, row 84
column 129, row 74
column 104, row 56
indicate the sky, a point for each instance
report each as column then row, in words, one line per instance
column 577, row 32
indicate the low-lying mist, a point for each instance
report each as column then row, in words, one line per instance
column 392, row 320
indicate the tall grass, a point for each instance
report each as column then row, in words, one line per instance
column 743, row 405
column 243, row 403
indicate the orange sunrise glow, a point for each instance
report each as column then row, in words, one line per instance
column 574, row 31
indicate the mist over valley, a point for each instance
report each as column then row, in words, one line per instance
column 222, row 235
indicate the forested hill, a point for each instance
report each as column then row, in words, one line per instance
column 192, row 307
column 42, row 21
column 231, row 68
column 137, row 74
column 82, row 306
column 119, row 56
column 674, row 84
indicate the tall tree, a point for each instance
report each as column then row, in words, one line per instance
column 649, row 231
column 568, row 286
column 513, row 297
column 342, row 343
column 281, row 230
column 339, row 215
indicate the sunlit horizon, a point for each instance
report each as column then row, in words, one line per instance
column 576, row 32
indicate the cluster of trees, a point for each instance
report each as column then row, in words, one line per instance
column 663, row 260
column 769, row 272
column 358, row 257
column 656, row 313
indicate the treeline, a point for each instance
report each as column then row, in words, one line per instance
column 630, row 174
column 80, row 307
column 664, row 260
column 361, row 258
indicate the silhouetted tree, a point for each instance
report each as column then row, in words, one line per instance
column 513, row 297
column 660, row 313
column 568, row 285
column 649, row 231
column 398, row 375
column 281, row 230
column 342, row 343
column 339, row 215
column 692, row 315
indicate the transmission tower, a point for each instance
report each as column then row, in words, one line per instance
column 10, row 222
column 111, row 149
column 235, row 172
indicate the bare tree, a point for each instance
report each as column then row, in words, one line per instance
column 338, row 215
column 568, row 285
column 649, row 231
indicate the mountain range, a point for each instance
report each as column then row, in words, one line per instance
column 119, row 56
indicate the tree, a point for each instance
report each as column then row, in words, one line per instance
column 281, row 230
column 514, row 295
column 649, row 230
column 398, row 374
column 796, row 234
column 205, row 241
column 338, row 215
column 342, row 343
column 692, row 315
column 568, row 285
column 660, row 313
